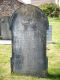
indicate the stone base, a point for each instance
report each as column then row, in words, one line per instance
column 43, row 74
column 16, row 67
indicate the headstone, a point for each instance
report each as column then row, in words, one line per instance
column 28, row 27
column 4, row 26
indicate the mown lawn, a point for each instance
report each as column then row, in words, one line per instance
column 53, row 54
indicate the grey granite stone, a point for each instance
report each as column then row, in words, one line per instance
column 28, row 26
column 5, row 32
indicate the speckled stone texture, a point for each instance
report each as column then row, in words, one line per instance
column 28, row 26
column 5, row 32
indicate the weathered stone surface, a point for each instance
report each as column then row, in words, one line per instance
column 5, row 32
column 28, row 26
column 7, row 7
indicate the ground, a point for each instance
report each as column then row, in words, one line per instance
column 53, row 53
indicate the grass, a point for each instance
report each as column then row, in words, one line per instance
column 53, row 54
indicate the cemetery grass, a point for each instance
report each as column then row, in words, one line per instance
column 53, row 53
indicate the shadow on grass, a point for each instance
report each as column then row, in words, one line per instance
column 49, row 76
column 54, row 76
column 18, row 76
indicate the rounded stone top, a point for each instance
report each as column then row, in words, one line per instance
column 29, row 14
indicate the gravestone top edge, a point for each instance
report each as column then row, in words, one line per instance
column 26, row 8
